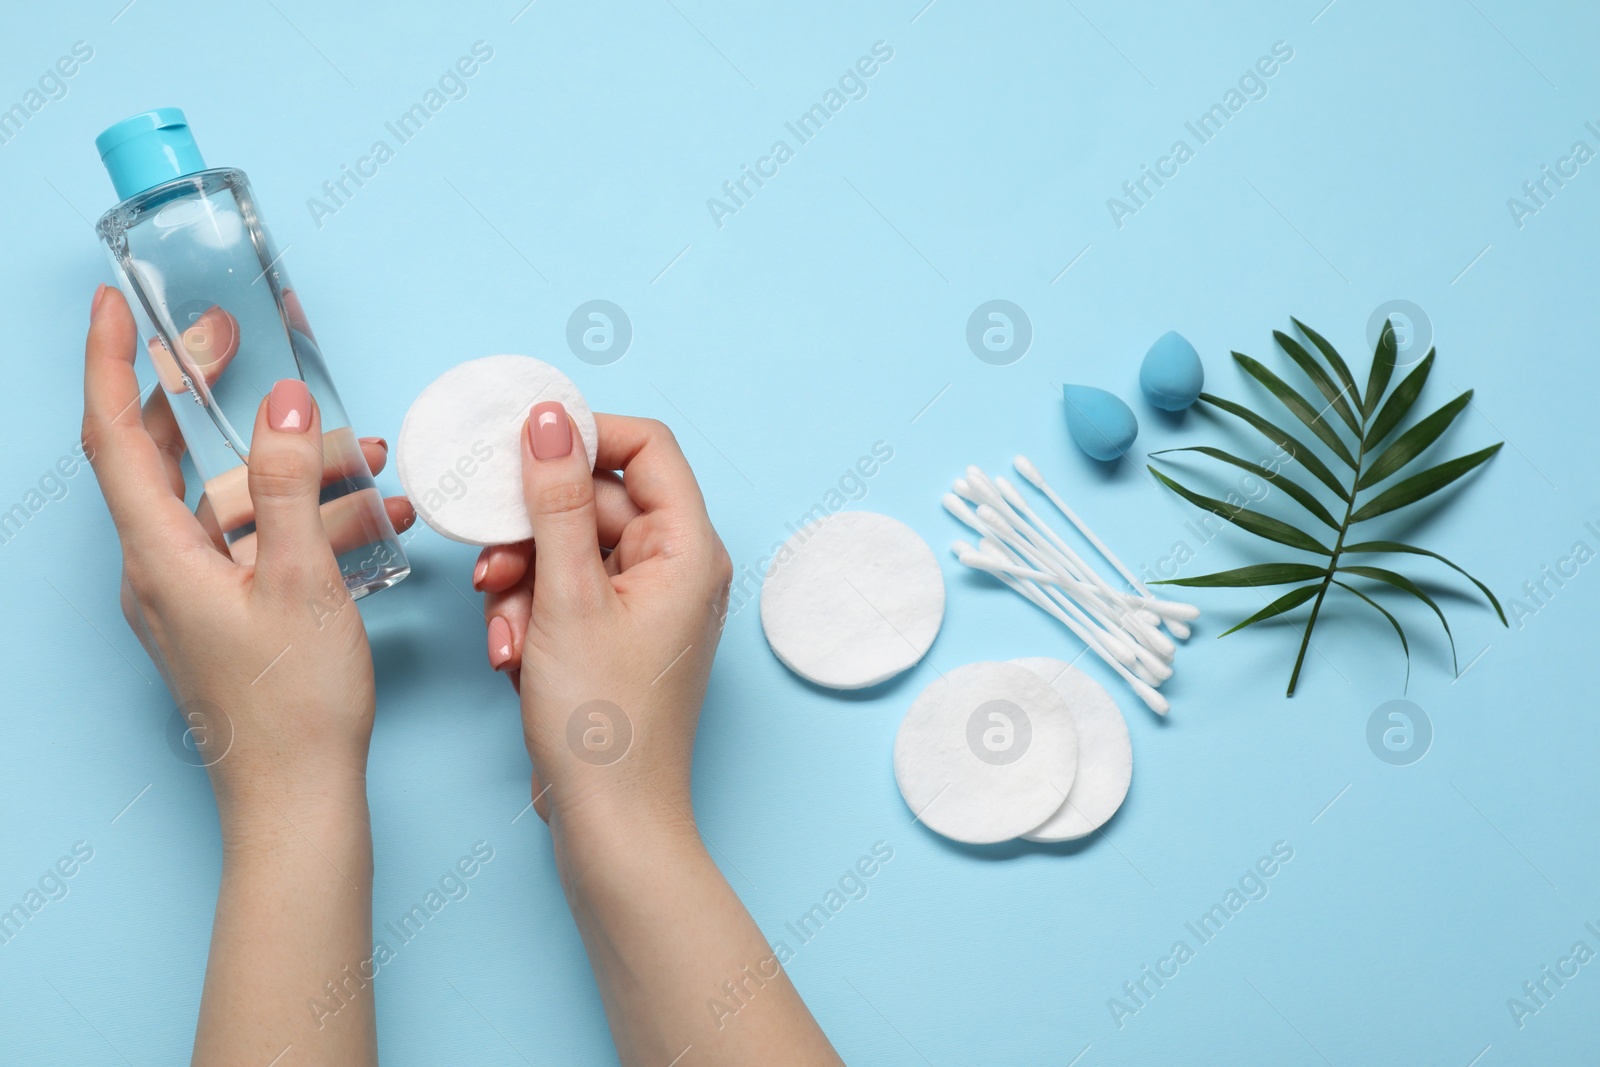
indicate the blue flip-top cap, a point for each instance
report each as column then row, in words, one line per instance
column 143, row 151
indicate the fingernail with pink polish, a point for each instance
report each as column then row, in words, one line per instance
column 548, row 428
column 289, row 406
column 94, row 305
column 479, row 573
column 499, row 642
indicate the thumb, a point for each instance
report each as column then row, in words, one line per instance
column 558, row 488
column 285, row 478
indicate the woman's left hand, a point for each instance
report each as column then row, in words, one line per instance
column 269, row 665
column 268, row 661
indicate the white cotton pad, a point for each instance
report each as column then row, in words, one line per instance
column 852, row 600
column 459, row 454
column 986, row 753
column 1105, row 755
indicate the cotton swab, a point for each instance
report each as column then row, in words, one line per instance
column 1121, row 633
column 1003, row 518
column 1132, row 675
column 1009, row 493
column 1012, row 497
column 1004, row 498
column 1135, row 674
column 1123, row 651
column 1149, row 665
column 1021, row 550
column 1111, row 615
column 1154, row 700
column 1026, row 468
column 979, row 562
column 1024, row 552
column 997, row 532
column 1158, row 608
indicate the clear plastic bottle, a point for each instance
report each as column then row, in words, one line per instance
column 220, row 324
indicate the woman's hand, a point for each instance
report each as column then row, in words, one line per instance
column 611, row 654
column 269, row 662
column 269, row 665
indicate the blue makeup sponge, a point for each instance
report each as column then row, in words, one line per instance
column 1171, row 374
column 1099, row 422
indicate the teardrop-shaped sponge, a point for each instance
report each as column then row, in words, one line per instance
column 1171, row 374
column 1099, row 422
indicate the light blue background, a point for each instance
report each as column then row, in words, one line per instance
column 824, row 317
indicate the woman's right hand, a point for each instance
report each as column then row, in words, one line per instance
column 611, row 652
column 614, row 651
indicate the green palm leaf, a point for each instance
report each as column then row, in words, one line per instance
column 1409, row 445
column 1418, row 486
column 1287, row 602
column 1261, row 525
column 1401, row 582
column 1373, row 416
column 1257, row 574
column 1400, row 546
column 1392, row 622
column 1290, row 444
column 1382, row 369
column 1296, row 492
column 1399, row 403
column 1332, row 393
column 1335, row 360
column 1299, row 406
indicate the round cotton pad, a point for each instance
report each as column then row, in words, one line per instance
column 459, row 454
column 986, row 753
column 1105, row 756
column 852, row 600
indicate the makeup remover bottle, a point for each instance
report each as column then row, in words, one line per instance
column 220, row 324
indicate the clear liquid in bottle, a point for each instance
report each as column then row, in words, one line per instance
column 220, row 323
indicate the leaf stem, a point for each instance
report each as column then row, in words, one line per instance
column 1338, row 546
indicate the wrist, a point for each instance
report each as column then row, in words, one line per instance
column 606, row 831
column 259, row 813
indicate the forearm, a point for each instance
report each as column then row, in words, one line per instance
column 678, row 959
column 293, row 933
